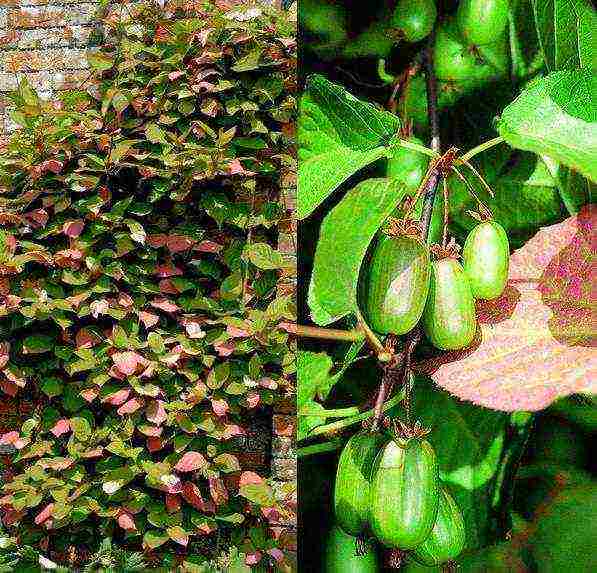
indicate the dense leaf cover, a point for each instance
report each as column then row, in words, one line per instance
column 141, row 284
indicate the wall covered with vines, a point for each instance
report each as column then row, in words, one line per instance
column 141, row 287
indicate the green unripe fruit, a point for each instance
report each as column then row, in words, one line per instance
column 449, row 319
column 454, row 61
column 485, row 258
column 448, row 536
column 353, row 481
column 397, row 284
column 341, row 555
column 405, row 492
column 375, row 41
column 414, row 18
column 327, row 20
column 482, row 21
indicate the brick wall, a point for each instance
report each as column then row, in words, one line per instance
column 47, row 41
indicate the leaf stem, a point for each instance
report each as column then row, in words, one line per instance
column 315, row 449
column 341, row 424
column 565, row 196
column 332, row 413
column 479, row 149
column 304, row 331
column 416, row 147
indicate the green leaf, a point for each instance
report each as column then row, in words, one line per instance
column 51, row 387
column 338, row 135
column 155, row 134
column 38, row 344
column 100, row 62
column 81, row 428
column 525, row 195
column 263, row 256
column 248, row 62
column 314, row 376
column 567, row 32
column 557, row 116
column 343, row 240
column 154, row 538
column 259, row 493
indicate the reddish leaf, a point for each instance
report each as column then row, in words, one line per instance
column 178, row 243
column 90, row 394
column 37, row 218
column 220, row 407
column 253, row 399
column 276, row 554
column 156, row 413
column 117, row 398
column 53, row 166
column 128, row 362
column 4, row 353
column 167, row 270
column 248, row 478
column 536, row 343
column 192, row 495
column 44, row 514
column 175, row 75
column 190, row 462
column 156, row 241
column 218, row 490
column 225, row 348
column 155, row 444
column 130, row 407
column 253, row 558
column 235, row 332
column 73, row 228
column 148, row 319
column 86, row 339
column 208, row 247
column 126, row 521
column 164, row 304
column 172, row 503
column 61, row 427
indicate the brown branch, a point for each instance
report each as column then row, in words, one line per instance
column 322, row 333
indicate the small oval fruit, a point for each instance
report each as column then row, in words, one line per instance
column 454, row 61
column 482, row 21
column 485, row 258
column 404, row 493
column 414, row 18
column 449, row 319
column 353, row 481
column 341, row 555
column 407, row 165
column 448, row 536
column 397, row 284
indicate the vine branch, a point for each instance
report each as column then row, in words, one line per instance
column 399, row 369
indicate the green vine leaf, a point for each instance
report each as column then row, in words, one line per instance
column 556, row 116
column 338, row 135
column 567, row 32
column 343, row 240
